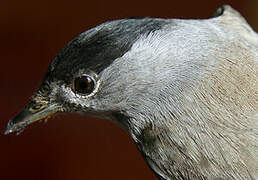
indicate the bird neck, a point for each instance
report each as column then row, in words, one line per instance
column 167, row 154
column 189, row 143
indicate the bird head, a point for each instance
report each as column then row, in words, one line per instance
column 87, row 76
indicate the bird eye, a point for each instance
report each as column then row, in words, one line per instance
column 84, row 85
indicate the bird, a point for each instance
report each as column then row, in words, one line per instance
column 185, row 91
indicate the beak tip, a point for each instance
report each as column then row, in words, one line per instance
column 9, row 128
column 7, row 131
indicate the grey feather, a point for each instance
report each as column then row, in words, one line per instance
column 184, row 90
column 191, row 104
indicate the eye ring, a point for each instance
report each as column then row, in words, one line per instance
column 84, row 85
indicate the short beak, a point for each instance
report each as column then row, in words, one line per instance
column 31, row 113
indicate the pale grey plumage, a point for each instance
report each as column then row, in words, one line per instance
column 186, row 92
column 193, row 100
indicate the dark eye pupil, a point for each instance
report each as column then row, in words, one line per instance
column 84, row 84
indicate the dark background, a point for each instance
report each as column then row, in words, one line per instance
column 71, row 147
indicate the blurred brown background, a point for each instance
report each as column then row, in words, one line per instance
column 71, row 147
